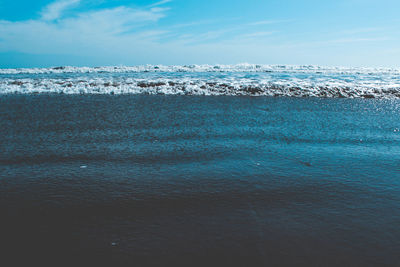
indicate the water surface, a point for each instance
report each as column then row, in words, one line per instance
column 151, row 180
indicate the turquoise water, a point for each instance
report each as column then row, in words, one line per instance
column 155, row 180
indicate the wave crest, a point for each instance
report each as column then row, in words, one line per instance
column 242, row 79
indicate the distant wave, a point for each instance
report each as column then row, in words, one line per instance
column 242, row 79
column 203, row 68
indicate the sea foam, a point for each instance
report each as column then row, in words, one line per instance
column 241, row 79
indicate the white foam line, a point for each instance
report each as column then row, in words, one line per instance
column 230, row 85
column 204, row 68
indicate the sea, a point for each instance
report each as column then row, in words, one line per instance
column 200, row 165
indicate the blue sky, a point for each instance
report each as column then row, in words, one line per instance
column 44, row 33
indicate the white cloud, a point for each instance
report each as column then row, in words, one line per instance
column 162, row 2
column 120, row 32
column 362, row 30
column 256, row 34
column 93, row 32
column 125, row 35
column 55, row 9
column 193, row 23
column 266, row 22
column 356, row 40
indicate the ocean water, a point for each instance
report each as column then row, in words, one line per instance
column 146, row 179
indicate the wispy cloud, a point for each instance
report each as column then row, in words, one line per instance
column 362, row 30
column 193, row 23
column 356, row 40
column 55, row 9
column 162, row 2
column 91, row 31
column 208, row 36
column 344, row 41
column 256, row 34
column 151, row 35
column 120, row 28
column 266, row 22
column 225, row 34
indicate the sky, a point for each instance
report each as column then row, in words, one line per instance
column 45, row 33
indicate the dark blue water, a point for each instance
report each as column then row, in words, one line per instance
column 145, row 180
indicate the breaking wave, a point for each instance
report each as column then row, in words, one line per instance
column 242, row 79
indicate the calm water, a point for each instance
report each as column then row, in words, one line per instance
column 145, row 180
